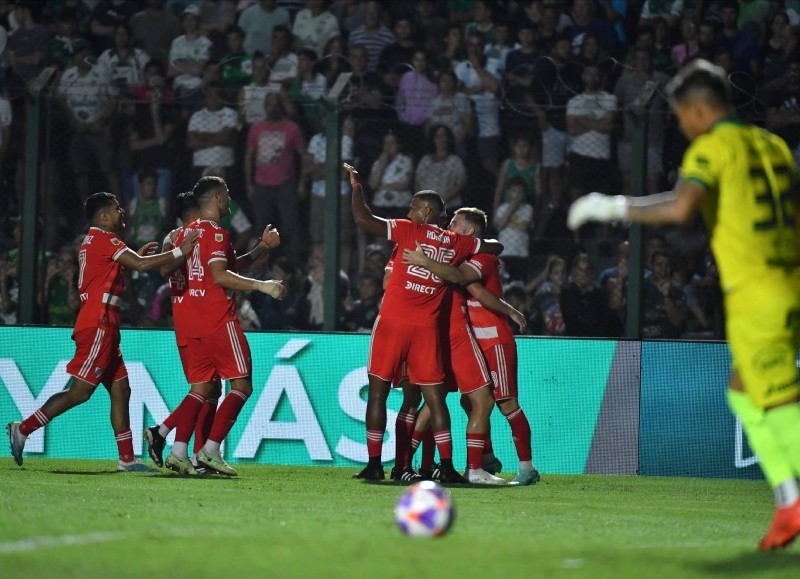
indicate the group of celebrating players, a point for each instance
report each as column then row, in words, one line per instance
column 456, row 339
column 212, row 346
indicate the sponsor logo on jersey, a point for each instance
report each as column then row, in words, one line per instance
column 418, row 287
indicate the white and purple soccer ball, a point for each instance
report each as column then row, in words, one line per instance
column 425, row 510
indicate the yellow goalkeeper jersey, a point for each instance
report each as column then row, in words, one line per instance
column 750, row 204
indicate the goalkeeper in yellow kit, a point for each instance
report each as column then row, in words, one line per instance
column 744, row 181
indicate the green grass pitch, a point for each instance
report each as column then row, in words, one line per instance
column 76, row 518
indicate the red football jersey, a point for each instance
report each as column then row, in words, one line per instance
column 489, row 326
column 178, row 291
column 413, row 294
column 207, row 306
column 100, row 279
column 454, row 314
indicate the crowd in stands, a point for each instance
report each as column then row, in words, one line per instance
column 515, row 107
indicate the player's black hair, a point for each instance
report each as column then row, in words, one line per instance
column 187, row 204
column 475, row 217
column 432, row 199
column 97, row 202
column 206, row 186
column 703, row 81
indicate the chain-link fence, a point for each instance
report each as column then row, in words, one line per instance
column 518, row 135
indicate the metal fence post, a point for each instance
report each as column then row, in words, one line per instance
column 638, row 114
column 333, row 172
column 28, row 288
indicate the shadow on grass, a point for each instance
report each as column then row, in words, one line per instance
column 159, row 475
column 85, row 472
column 396, row 483
column 746, row 564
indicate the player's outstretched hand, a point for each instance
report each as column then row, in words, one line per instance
column 189, row 241
column 271, row 237
column 597, row 207
column 518, row 318
column 353, row 174
column 417, row 257
column 272, row 288
column 148, row 248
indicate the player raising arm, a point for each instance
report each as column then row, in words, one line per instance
column 407, row 327
column 487, row 317
column 744, row 182
column 97, row 358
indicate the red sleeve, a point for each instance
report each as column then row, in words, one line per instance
column 217, row 245
column 401, row 231
column 114, row 246
column 480, row 262
column 465, row 246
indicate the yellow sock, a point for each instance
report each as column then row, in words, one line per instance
column 772, row 457
column 784, row 422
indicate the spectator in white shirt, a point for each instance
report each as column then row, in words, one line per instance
column 390, row 179
column 90, row 100
column 314, row 26
column 189, row 54
column 211, row 134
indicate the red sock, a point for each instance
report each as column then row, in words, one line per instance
column 226, row 415
column 475, row 442
column 125, row 445
column 416, row 440
column 444, row 443
column 428, row 448
column 185, row 416
column 205, row 418
column 33, row 422
column 403, row 429
column 487, row 448
column 374, row 443
column 520, row 433
column 171, row 421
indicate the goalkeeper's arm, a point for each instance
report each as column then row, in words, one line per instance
column 660, row 209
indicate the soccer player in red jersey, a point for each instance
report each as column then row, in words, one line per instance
column 481, row 276
column 215, row 346
column 98, row 359
column 407, row 327
column 155, row 436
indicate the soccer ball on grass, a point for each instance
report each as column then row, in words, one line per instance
column 425, row 510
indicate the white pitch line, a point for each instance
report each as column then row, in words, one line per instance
column 36, row 543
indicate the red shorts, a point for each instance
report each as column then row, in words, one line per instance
column 502, row 361
column 97, row 357
column 189, row 350
column 464, row 365
column 224, row 354
column 394, row 342
column 401, row 376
